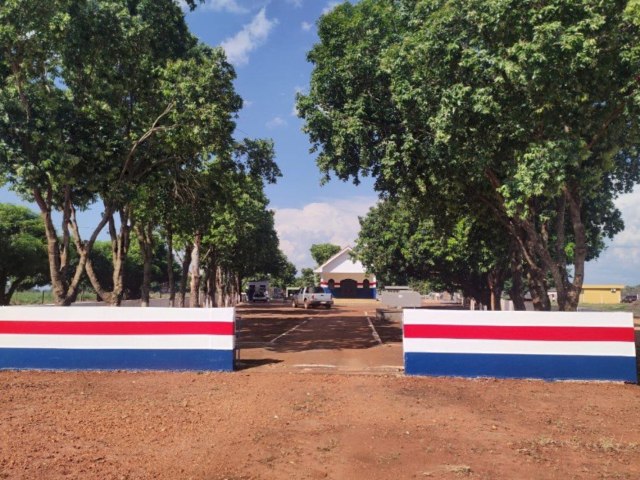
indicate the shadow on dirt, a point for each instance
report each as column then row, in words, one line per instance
column 253, row 363
column 389, row 332
column 284, row 329
column 285, row 311
column 264, row 329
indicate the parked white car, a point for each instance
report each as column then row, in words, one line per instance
column 312, row 297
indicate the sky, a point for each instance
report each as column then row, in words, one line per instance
column 267, row 42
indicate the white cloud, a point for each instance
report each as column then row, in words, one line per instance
column 322, row 222
column 296, row 91
column 248, row 39
column 330, row 6
column 306, row 26
column 231, row 6
column 295, row 3
column 246, row 103
column 276, row 122
column 620, row 262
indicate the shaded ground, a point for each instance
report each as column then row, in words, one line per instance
column 285, row 416
column 345, row 338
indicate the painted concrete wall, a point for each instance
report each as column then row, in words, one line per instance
column 103, row 338
column 545, row 345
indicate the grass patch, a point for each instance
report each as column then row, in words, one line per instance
column 32, row 297
column 36, row 297
column 612, row 307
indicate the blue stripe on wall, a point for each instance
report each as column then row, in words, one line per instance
column 360, row 292
column 83, row 359
column 548, row 367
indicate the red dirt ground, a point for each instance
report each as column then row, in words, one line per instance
column 282, row 416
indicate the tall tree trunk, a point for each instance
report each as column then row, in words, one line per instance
column 65, row 293
column 3, row 286
column 212, row 280
column 194, row 299
column 119, row 251
column 145, row 240
column 580, row 251
column 538, row 291
column 494, row 282
column 59, row 285
column 516, row 291
column 12, row 289
column 186, row 260
column 170, row 276
column 219, row 287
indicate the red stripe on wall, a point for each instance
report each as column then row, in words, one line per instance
column 482, row 332
column 116, row 328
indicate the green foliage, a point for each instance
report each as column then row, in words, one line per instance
column 321, row 252
column 102, row 265
column 530, row 110
column 285, row 275
column 404, row 245
column 23, row 253
column 307, row 278
column 116, row 101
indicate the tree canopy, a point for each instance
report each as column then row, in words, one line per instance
column 321, row 252
column 114, row 104
column 23, row 254
column 529, row 110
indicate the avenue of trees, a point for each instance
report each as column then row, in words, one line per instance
column 114, row 105
column 499, row 134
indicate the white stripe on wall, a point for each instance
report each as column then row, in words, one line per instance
column 114, row 342
column 106, row 314
column 524, row 347
column 517, row 319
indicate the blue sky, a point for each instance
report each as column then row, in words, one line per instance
column 267, row 41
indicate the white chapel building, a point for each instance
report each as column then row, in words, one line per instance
column 346, row 278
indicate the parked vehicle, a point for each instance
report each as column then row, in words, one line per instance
column 260, row 296
column 630, row 298
column 312, row 297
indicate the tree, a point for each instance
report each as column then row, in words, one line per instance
column 240, row 241
column 321, row 252
column 285, row 272
column 41, row 150
column 135, row 269
column 23, row 253
column 530, row 110
column 409, row 245
column 307, row 278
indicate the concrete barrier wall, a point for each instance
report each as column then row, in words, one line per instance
column 104, row 338
column 552, row 346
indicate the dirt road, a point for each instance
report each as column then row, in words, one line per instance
column 347, row 338
column 280, row 418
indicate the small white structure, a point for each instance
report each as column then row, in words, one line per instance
column 261, row 286
column 346, row 278
column 400, row 297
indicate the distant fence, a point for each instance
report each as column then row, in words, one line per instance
column 104, row 338
column 552, row 346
